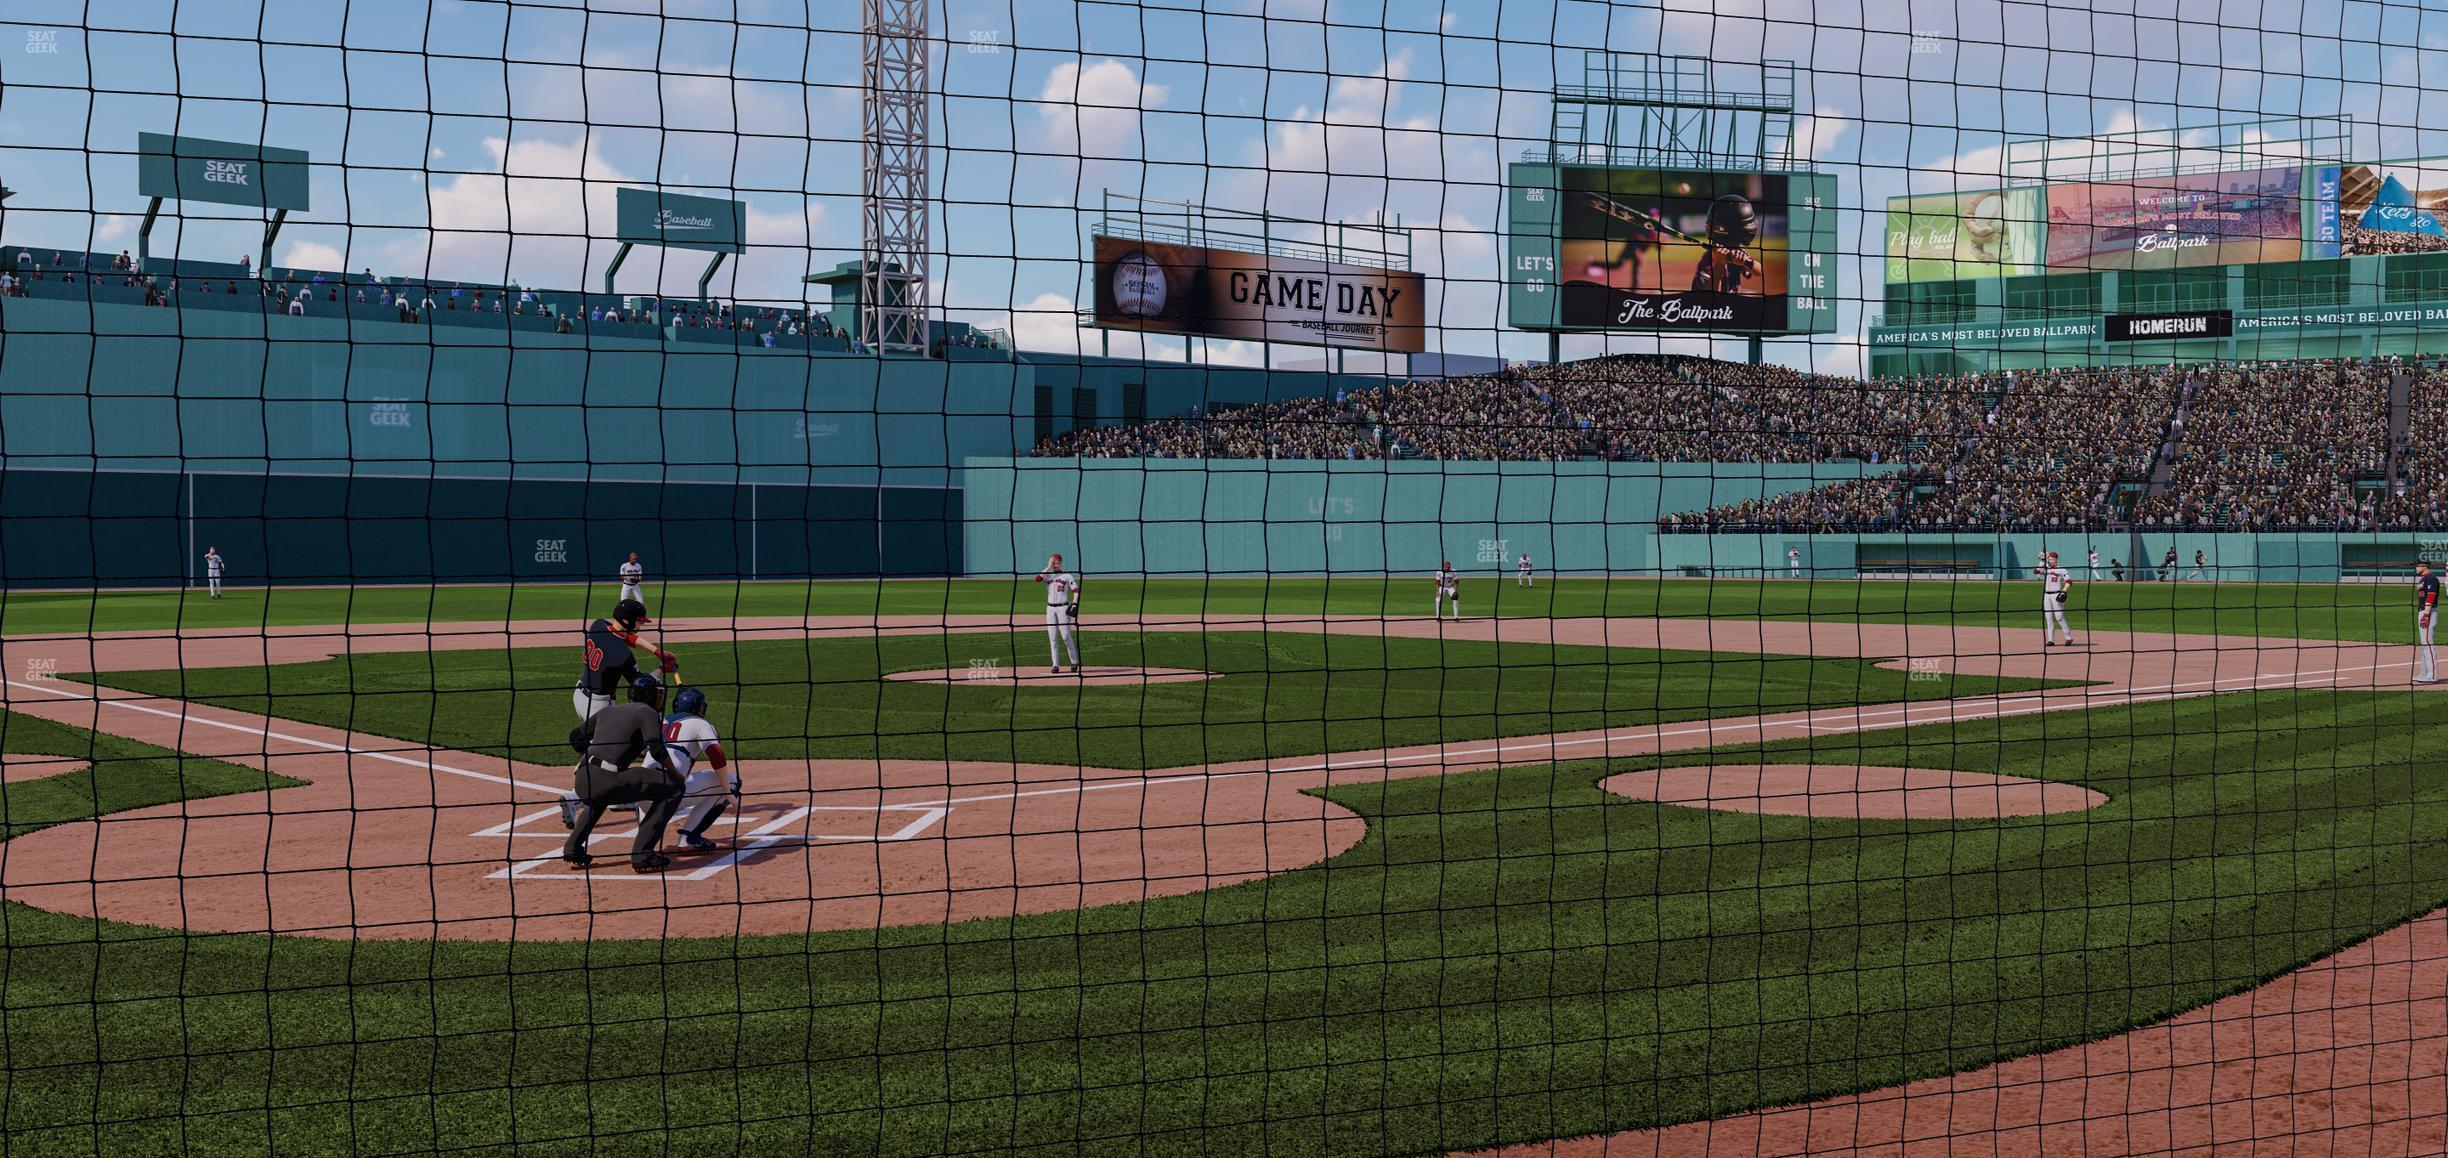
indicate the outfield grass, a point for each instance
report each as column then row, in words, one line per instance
column 1506, row 956
column 1276, row 694
column 2307, row 611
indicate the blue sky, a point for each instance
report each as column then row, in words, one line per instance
column 479, row 140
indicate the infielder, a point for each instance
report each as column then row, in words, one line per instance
column 2055, row 586
column 611, row 664
column 1448, row 586
column 2426, row 614
column 1522, row 569
column 212, row 569
column 1062, row 612
column 633, row 580
column 697, row 760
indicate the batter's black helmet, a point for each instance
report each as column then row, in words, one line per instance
column 1732, row 221
column 690, row 702
column 646, row 690
column 629, row 611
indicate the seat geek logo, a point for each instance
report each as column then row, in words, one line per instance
column 552, row 551
column 225, row 172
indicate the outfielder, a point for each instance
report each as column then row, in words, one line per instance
column 633, row 580
column 2426, row 615
column 1522, row 569
column 1793, row 562
column 697, row 760
column 1062, row 612
column 1448, row 586
column 2055, row 587
column 2095, row 564
column 611, row 664
column 212, row 569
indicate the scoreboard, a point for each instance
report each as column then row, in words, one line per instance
column 1670, row 250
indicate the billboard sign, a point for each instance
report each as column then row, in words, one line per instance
column 1658, row 249
column 682, row 220
column 224, row 172
column 1229, row 293
column 1944, row 236
column 2328, row 231
column 2179, row 221
column 2392, row 208
column 2167, row 327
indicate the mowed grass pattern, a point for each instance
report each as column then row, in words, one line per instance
column 1506, row 957
column 2359, row 612
column 1275, row 694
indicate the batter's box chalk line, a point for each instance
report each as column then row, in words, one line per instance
column 762, row 838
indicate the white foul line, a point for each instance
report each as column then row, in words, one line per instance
column 284, row 737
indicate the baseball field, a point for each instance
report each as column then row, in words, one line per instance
column 1655, row 866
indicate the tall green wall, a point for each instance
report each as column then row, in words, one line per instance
column 1254, row 516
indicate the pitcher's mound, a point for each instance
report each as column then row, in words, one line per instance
column 1850, row 790
column 1045, row 676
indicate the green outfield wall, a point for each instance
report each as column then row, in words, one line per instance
column 348, row 446
column 1256, row 516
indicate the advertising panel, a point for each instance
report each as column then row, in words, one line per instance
column 224, row 172
column 1672, row 250
column 2180, row 221
column 2392, row 208
column 1944, row 236
column 681, row 220
column 1228, row 293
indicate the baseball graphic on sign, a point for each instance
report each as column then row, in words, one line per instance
column 1139, row 285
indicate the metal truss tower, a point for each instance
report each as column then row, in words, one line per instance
column 893, row 203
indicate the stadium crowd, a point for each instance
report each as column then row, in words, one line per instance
column 2271, row 445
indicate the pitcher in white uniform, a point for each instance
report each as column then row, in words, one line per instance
column 1062, row 612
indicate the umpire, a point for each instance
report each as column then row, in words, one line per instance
column 610, row 743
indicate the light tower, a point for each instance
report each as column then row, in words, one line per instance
column 893, row 204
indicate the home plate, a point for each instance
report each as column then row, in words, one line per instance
column 742, row 838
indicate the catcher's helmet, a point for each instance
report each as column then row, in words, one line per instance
column 646, row 690
column 629, row 611
column 1732, row 221
column 689, row 702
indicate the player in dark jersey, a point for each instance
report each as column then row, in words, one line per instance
column 610, row 665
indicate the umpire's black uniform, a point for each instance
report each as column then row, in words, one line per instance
column 612, row 740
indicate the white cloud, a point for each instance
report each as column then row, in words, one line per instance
column 531, row 219
column 114, row 228
column 309, row 255
column 1095, row 110
column 1355, row 134
column 1816, row 133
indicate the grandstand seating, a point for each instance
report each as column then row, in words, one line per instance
column 2270, row 446
column 99, row 278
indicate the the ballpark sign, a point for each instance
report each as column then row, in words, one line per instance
column 226, row 172
column 682, row 220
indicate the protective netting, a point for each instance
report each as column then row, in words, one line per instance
column 1284, row 577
